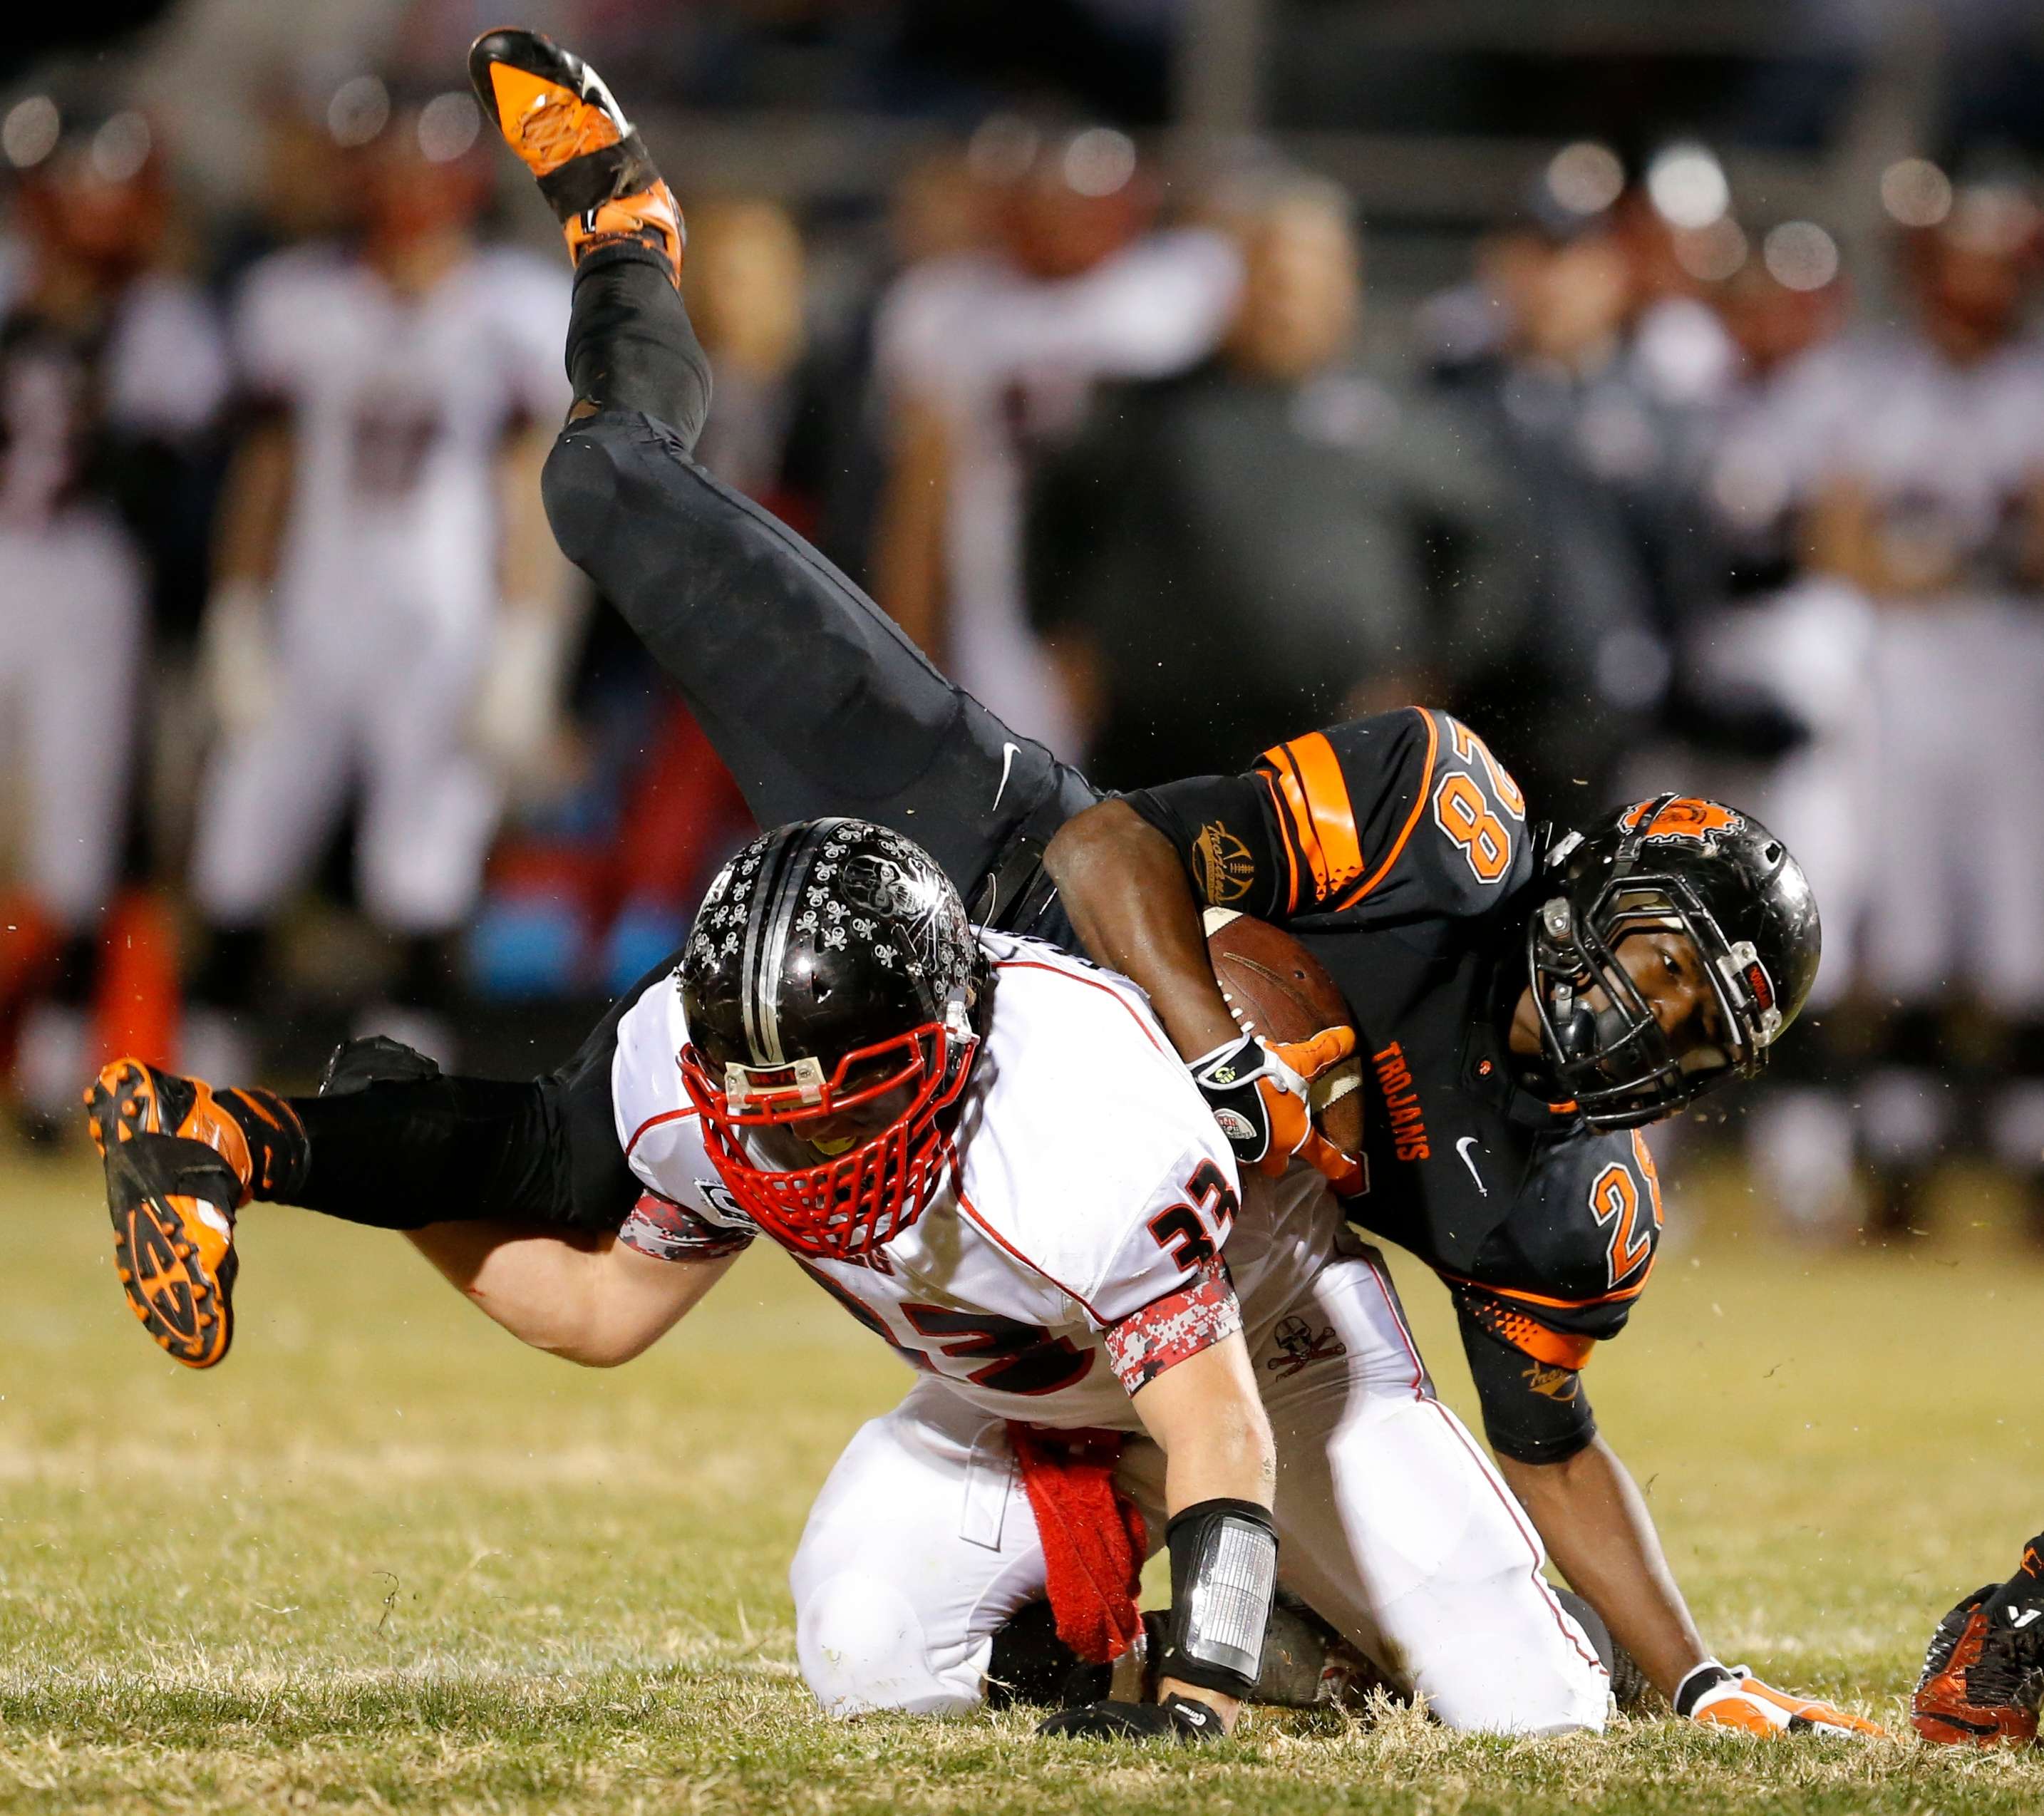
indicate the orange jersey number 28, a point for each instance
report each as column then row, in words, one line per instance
column 1476, row 817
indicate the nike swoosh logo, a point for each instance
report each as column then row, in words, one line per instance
column 1008, row 754
column 1960, row 1722
column 1462, row 1147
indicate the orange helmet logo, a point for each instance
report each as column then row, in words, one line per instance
column 1684, row 817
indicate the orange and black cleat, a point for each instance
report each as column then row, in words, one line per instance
column 557, row 114
column 256, row 1132
column 181, row 1159
column 172, row 1202
column 1985, row 1667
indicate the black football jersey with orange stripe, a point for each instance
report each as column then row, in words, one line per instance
column 1399, row 852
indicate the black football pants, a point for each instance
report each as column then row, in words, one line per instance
column 816, row 703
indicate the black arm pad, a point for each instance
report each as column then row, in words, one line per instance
column 1224, row 1579
column 1533, row 1411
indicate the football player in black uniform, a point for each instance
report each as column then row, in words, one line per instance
column 1525, row 1001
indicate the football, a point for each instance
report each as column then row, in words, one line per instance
column 1278, row 989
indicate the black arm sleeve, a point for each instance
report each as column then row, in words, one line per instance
column 402, row 1153
column 1533, row 1411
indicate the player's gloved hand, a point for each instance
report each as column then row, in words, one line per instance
column 517, row 705
column 374, row 1059
column 237, row 656
column 1257, row 1091
column 1175, row 1718
column 1729, row 1696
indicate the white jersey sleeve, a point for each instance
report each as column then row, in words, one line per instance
column 284, row 299
column 529, row 317
column 167, row 369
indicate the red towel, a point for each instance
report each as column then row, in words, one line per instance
column 1093, row 1537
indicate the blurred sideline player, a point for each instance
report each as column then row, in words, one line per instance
column 836, row 1060
column 818, row 703
column 387, row 621
column 1779, row 640
column 1921, row 451
column 111, row 368
column 987, row 357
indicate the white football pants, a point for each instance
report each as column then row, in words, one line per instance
column 1391, row 1523
column 71, row 623
column 377, row 698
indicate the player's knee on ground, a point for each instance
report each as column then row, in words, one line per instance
column 862, row 1648
column 1503, row 1657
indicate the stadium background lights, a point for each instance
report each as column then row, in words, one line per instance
column 1712, row 254
column 1687, row 185
column 1585, row 178
column 360, row 109
column 1996, row 219
column 1099, row 161
column 447, row 126
column 1801, row 256
column 121, row 148
column 1002, row 148
column 1915, row 193
column 30, row 133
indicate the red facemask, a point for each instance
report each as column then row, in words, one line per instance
column 842, row 1207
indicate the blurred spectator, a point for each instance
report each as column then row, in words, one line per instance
column 1782, row 644
column 936, row 210
column 1545, row 351
column 111, row 375
column 1927, row 473
column 388, row 602
column 302, row 190
column 745, row 285
column 1274, row 540
column 989, row 360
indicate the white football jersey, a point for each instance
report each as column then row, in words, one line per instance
column 1011, row 362
column 1088, row 1183
column 399, row 407
column 1950, row 446
column 158, row 369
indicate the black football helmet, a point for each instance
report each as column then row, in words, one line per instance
column 1674, row 863
column 830, row 985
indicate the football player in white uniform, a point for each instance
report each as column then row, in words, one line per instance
column 388, row 604
column 986, row 1150
column 112, row 373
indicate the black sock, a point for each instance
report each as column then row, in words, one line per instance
column 631, row 346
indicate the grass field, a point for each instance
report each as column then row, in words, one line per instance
column 385, row 1559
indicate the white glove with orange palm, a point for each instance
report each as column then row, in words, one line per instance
column 1729, row 1696
column 1257, row 1091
